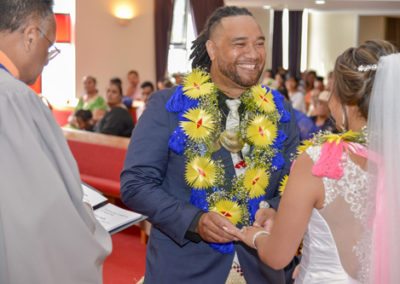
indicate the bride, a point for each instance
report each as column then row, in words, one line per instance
column 336, row 200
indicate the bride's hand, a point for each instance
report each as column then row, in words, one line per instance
column 246, row 234
column 264, row 218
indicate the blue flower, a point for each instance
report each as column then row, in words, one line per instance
column 177, row 141
column 278, row 161
column 223, row 248
column 280, row 105
column 198, row 198
column 253, row 206
column 179, row 102
column 279, row 140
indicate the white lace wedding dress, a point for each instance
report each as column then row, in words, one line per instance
column 334, row 237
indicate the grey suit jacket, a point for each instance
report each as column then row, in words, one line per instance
column 153, row 184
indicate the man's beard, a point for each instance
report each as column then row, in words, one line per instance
column 230, row 72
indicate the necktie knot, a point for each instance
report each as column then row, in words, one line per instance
column 233, row 105
column 233, row 118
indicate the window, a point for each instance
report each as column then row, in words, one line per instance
column 182, row 35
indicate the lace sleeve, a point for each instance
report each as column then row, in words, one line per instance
column 314, row 152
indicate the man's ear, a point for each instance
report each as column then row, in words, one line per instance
column 30, row 36
column 211, row 49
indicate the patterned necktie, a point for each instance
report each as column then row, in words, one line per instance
column 233, row 123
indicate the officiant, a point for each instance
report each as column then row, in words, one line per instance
column 47, row 234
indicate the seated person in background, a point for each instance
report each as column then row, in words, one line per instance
column 84, row 119
column 178, row 78
column 91, row 100
column 295, row 97
column 117, row 121
column 133, row 90
column 310, row 77
column 165, row 84
column 318, row 88
column 279, row 84
column 147, row 90
column 306, row 126
column 321, row 118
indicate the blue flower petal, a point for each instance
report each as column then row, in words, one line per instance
column 175, row 104
column 279, row 140
column 198, row 198
column 253, row 206
column 223, row 248
column 177, row 141
column 280, row 105
column 278, row 161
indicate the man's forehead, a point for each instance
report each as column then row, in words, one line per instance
column 237, row 26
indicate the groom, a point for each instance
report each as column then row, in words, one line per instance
column 231, row 48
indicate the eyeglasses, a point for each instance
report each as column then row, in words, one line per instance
column 53, row 50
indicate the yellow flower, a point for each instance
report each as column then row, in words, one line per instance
column 350, row 135
column 200, row 124
column 337, row 138
column 304, row 146
column 201, row 173
column 263, row 99
column 256, row 181
column 196, row 84
column 282, row 186
column 261, row 132
column 229, row 209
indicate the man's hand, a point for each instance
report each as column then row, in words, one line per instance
column 264, row 218
column 211, row 228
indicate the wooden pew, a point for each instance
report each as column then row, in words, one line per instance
column 100, row 159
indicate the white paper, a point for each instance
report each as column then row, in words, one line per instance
column 92, row 197
column 112, row 217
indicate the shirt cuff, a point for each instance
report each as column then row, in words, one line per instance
column 191, row 233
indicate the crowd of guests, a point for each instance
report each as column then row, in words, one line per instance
column 115, row 113
column 308, row 96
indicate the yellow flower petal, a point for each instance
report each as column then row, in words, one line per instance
column 262, row 132
column 200, row 124
column 282, row 186
column 229, row 209
column 196, row 84
column 256, row 181
column 263, row 99
column 304, row 146
column 200, row 173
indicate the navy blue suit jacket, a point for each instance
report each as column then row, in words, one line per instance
column 153, row 184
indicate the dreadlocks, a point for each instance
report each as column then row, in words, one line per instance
column 199, row 52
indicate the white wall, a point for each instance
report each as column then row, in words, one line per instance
column 329, row 34
column 58, row 77
column 106, row 49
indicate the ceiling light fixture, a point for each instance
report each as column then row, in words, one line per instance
column 320, row 2
column 266, row 7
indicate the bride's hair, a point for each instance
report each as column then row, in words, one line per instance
column 354, row 73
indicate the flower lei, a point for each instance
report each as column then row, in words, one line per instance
column 326, row 136
column 329, row 163
column 196, row 103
